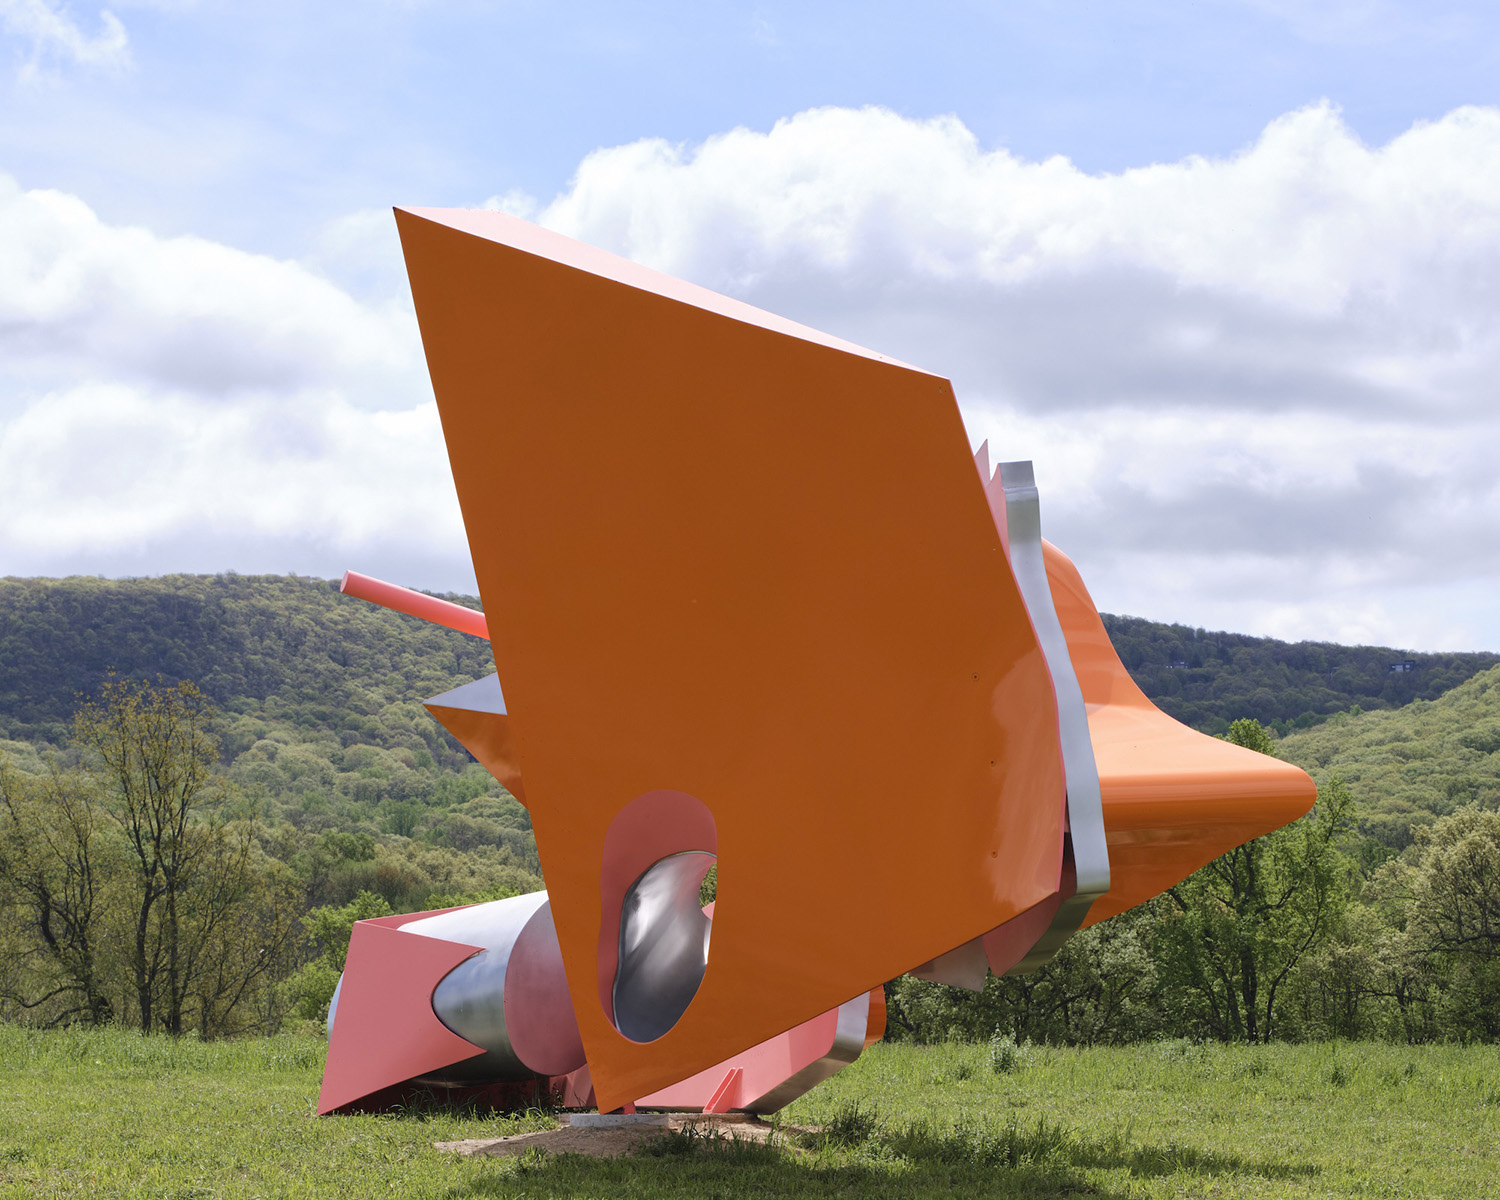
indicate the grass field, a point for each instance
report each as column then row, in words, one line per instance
column 107, row 1113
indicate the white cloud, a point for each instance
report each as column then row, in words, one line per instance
column 52, row 33
column 177, row 404
column 1258, row 389
column 84, row 300
column 126, row 475
column 1307, row 220
column 361, row 253
column 515, row 202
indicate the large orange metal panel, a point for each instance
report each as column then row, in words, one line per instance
column 728, row 556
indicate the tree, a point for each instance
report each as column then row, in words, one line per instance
column 1244, row 922
column 329, row 928
column 54, row 871
column 240, row 962
column 1442, row 900
column 1098, row 989
column 188, row 875
column 1456, row 887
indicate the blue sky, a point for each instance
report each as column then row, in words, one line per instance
column 255, row 122
column 1227, row 271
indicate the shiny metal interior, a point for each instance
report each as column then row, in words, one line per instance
column 333, row 1007
column 526, row 1025
column 664, row 935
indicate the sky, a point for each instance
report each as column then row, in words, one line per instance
column 1228, row 273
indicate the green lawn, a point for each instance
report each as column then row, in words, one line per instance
column 111, row 1114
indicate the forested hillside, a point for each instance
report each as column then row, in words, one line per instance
column 299, row 654
column 1208, row 680
column 341, row 797
column 320, row 720
column 1414, row 765
column 314, row 655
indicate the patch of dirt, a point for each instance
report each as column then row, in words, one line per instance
column 611, row 1141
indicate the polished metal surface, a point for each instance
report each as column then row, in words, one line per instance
column 964, row 966
column 848, row 1044
column 664, row 936
column 333, row 1007
column 512, row 997
column 1085, row 805
column 483, row 695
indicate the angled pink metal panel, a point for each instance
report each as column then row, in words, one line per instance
column 385, row 1031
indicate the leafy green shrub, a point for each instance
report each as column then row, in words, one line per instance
column 310, row 989
column 1005, row 1055
column 851, row 1124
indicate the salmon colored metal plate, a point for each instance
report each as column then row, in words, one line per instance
column 761, row 1067
column 1174, row 799
column 415, row 604
column 776, row 588
column 385, row 1031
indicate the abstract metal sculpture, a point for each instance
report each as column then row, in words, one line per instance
column 751, row 606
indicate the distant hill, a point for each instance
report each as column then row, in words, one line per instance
column 316, row 652
column 321, row 722
column 319, row 658
column 1208, row 679
column 320, row 695
column 1413, row 765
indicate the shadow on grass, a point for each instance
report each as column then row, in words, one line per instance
column 1173, row 1159
column 1014, row 1146
column 720, row 1174
column 856, row 1156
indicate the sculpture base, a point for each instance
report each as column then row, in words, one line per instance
column 608, row 1135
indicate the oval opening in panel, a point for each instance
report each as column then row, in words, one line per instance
column 664, row 936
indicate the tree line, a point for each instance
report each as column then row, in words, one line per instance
column 1209, row 679
column 137, row 887
column 1311, row 932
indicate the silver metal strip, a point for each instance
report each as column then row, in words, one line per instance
column 1085, row 805
column 848, row 1044
column 483, row 695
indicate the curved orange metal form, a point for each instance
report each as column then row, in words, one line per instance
column 1174, row 799
column 775, row 586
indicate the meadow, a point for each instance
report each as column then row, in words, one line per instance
column 108, row 1113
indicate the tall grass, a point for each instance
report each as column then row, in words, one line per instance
column 108, row 1113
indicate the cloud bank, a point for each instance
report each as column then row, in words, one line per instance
column 1258, row 390
column 175, row 404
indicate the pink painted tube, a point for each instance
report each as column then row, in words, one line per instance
column 415, row 604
